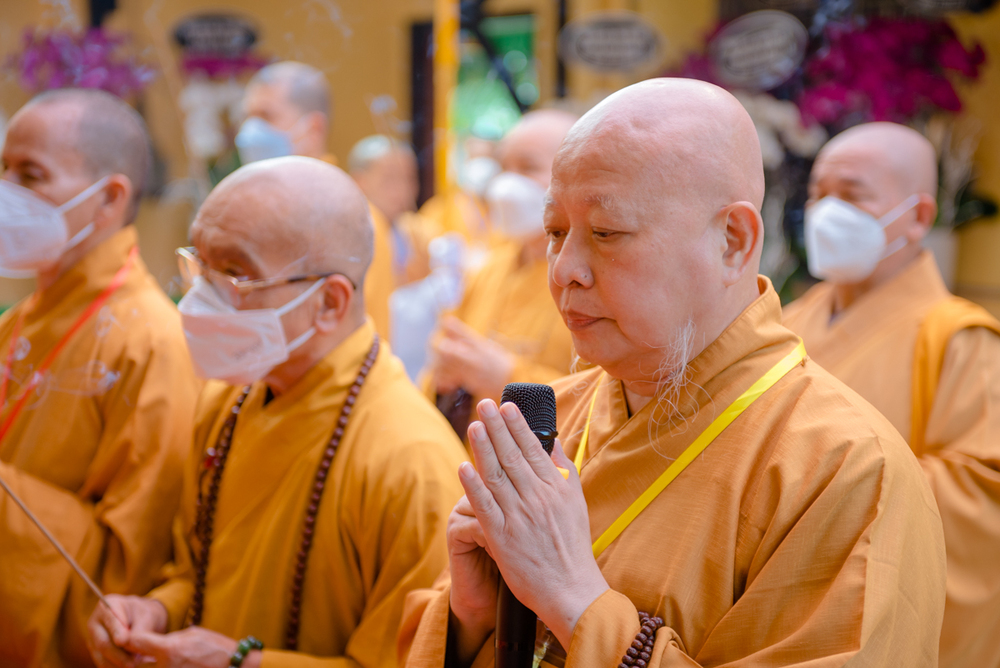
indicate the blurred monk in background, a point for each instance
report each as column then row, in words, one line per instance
column 507, row 329
column 798, row 533
column 317, row 492
column 289, row 112
column 97, row 393
column 386, row 171
column 883, row 322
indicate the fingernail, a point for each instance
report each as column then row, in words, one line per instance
column 465, row 470
column 489, row 408
column 477, row 431
column 509, row 409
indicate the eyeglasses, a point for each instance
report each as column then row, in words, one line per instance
column 233, row 288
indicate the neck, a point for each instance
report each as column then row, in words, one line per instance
column 845, row 294
column 638, row 398
column 47, row 278
column 284, row 376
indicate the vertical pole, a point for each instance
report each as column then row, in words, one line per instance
column 446, row 22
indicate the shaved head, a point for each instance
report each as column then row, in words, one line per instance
column 530, row 147
column 303, row 85
column 288, row 216
column 109, row 135
column 654, row 226
column 899, row 152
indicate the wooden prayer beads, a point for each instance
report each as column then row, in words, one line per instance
column 215, row 461
column 637, row 655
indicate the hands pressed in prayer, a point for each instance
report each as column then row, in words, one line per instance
column 527, row 520
column 463, row 358
column 144, row 643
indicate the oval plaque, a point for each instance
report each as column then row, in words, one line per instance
column 220, row 34
column 617, row 41
column 759, row 50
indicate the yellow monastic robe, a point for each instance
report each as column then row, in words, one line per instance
column 97, row 452
column 805, row 533
column 511, row 304
column 380, row 529
column 459, row 212
column 870, row 346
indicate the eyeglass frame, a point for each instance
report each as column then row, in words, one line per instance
column 243, row 287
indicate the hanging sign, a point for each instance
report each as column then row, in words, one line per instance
column 611, row 42
column 760, row 50
column 217, row 34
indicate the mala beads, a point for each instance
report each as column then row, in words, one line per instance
column 637, row 655
column 215, row 461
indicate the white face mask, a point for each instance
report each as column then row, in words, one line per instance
column 475, row 174
column 33, row 232
column 236, row 346
column 845, row 244
column 516, row 205
column 259, row 140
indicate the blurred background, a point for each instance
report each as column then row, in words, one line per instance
column 450, row 78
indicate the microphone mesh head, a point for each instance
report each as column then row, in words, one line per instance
column 537, row 404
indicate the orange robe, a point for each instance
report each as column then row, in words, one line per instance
column 380, row 528
column 870, row 346
column 97, row 453
column 804, row 535
column 380, row 279
column 511, row 304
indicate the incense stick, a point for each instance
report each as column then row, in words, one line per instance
column 65, row 555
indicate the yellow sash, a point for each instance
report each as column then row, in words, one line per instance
column 734, row 410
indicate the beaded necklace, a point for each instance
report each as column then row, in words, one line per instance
column 205, row 515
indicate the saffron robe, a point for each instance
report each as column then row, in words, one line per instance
column 97, row 452
column 380, row 528
column 805, row 534
column 870, row 346
column 511, row 304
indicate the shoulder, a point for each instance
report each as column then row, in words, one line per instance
column 816, row 297
column 147, row 317
column 398, row 427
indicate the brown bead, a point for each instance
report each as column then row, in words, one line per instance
column 622, row 665
column 343, row 421
column 321, row 475
column 338, row 433
column 310, row 520
column 330, row 452
column 315, row 498
column 636, row 644
column 644, row 656
column 313, row 507
column 319, row 485
column 639, row 663
column 632, row 652
column 641, row 637
column 351, row 398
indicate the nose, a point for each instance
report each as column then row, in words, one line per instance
column 569, row 263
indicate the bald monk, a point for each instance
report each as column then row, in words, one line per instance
column 804, row 535
column 507, row 329
column 386, row 171
column 883, row 322
column 96, row 394
column 289, row 112
column 288, row 446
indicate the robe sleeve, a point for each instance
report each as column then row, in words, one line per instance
column 114, row 524
column 962, row 464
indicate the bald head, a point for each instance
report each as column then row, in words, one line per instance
column 287, row 216
column 530, row 147
column 902, row 157
column 109, row 136
column 654, row 226
column 303, row 85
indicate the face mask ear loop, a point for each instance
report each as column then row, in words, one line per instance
column 87, row 192
column 292, row 305
column 893, row 215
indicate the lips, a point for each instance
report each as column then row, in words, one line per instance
column 576, row 322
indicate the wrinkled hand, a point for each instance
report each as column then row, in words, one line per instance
column 533, row 521
column 106, row 636
column 463, row 358
column 194, row 647
column 473, row 581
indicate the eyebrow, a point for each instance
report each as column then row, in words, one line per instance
column 241, row 257
column 605, row 201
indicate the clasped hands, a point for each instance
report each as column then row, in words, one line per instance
column 463, row 358
column 519, row 514
column 143, row 641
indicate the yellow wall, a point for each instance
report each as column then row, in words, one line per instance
column 979, row 251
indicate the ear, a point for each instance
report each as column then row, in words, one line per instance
column 925, row 213
column 113, row 203
column 744, row 232
column 338, row 303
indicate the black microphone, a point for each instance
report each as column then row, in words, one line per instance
column 515, row 636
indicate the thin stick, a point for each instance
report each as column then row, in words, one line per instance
column 55, row 543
